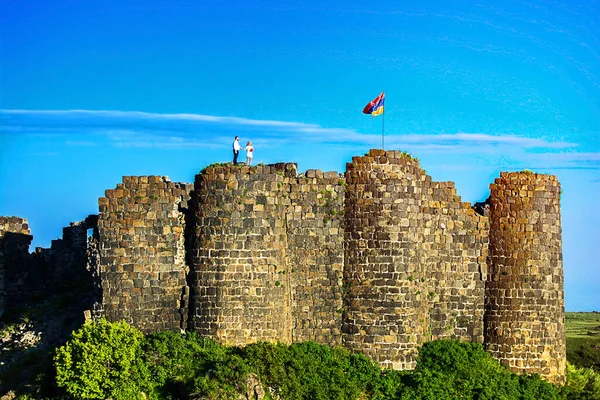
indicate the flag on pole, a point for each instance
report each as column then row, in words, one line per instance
column 375, row 107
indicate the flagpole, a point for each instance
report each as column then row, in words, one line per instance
column 382, row 125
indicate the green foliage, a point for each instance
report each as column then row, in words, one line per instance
column 33, row 365
column 105, row 360
column 214, row 165
column 407, row 155
column 180, row 365
column 582, row 383
column 449, row 369
column 98, row 361
column 224, row 379
column 584, row 352
column 312, row 371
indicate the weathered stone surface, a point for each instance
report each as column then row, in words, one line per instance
column 415, row 260
column 268, row 255
column 381, row 260
column 142, row 258
column 24, row 276
column 524, row 310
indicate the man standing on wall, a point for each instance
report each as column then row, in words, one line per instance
column 236, row 149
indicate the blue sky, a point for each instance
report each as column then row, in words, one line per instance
column 91, row 91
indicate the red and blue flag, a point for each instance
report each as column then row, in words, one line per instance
column 375, row 107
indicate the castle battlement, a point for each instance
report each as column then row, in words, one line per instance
column 380, row 259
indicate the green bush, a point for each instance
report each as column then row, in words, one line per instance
column 99, row 361
column 582, row 383
column 105, row 360
column 449, row 369
column 312, row 371
column 177, row 366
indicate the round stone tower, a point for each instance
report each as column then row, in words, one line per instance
column 524, row 297
column 239, row 288
column 385, row 310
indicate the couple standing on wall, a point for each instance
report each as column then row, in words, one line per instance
column 236, row 149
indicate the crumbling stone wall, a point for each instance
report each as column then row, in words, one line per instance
column 524, row 310
column 315, row 254
column 64, row 263
column 62, row 267
column 381, row 260
column 414, row 260
column 142, row 252
column 15, row 240
column 454, row 247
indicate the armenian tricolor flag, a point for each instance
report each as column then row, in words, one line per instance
column 375, row 107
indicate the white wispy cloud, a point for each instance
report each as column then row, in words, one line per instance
column 135, row 129
column 566, row 160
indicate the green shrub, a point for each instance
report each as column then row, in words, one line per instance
column 99, row 361
column 105, row 360
column 582, row 383
column 225, row 379
column 181, row 365
column 449, row 369
column 312, row 371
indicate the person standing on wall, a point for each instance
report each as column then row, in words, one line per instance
column 236, row 149
column 249, row 152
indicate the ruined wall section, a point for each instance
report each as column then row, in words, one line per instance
column 16, row 225
column 240, row 281
column 315, row 255
column 64, row 263
column 15, row 240
column 454, row 250
column 142, row 252
column 414, row 260
column 524, row 310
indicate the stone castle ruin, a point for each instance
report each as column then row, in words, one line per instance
column 380, row 260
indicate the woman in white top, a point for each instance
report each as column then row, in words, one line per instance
column 249, row 152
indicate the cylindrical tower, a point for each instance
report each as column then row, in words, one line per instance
column 239, row 289
column 385, row 306
column 524, row 310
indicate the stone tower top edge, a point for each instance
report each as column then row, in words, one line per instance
column 288, row 169
column 527, row 174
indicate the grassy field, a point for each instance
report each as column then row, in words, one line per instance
column 583, row 325
column 583, row 339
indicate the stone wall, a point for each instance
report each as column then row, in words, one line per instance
column 142, row 252
column 380, row 260
column 25, row 277
column 315, row 254
column 15, row 240
column 415, row 260
column 454, row 250
column 64, row 263
column 267, row 254
column 524, row 310
column 240, row 291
